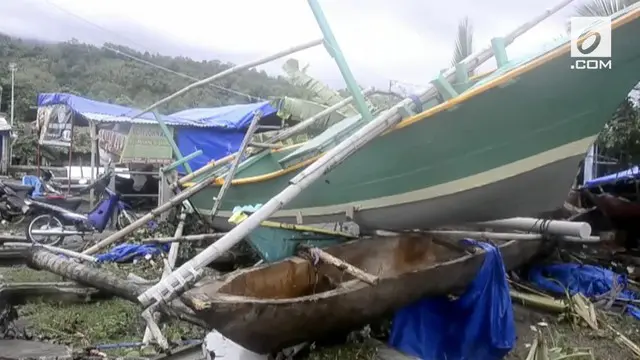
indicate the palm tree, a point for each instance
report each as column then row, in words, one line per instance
column 464, row 41
column 602, row 7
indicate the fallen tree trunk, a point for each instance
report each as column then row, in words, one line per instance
column 41, row 259
column 19, row 292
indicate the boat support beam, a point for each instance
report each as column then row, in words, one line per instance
column 327, row 258
column 217, row 201
column 500, row 49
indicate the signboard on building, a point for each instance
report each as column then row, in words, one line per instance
column 146, row 144
column 56, row 125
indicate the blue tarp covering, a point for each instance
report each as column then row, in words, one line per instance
column 128, row 252
column 478, row 325
column 101, row 111
column 231, row 124
column 632, row 173
column 589, row 280
column 236, row 117
column 216, row 131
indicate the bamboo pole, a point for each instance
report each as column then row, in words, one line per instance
column 184, row 238
column 283, row 135
column 236, row 162
column 342, row 265
column 188, row 273
column 230, row 71
column 150, row 331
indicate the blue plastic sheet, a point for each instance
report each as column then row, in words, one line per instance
column 214, row 143
column 235, row 117
column 128, row 252
column 477, row 325
column 589, row 280
column 629, row 174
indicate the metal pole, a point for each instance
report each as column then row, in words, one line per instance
column 12, row 67
column 331, row 44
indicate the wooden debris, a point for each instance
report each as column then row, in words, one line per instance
column 342, row 265
column 185, row 238
column 538, row 301
column 583, row 308
column 625, row 341
column 539, row 349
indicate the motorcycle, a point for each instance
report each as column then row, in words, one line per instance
column 12, row 206
column 55, row 222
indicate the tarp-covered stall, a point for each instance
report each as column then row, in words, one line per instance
column 216, row 131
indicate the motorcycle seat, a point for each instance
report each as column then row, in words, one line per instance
column 19, row 187
column 71, row 203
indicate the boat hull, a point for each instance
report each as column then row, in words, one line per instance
column 507, row 147
column 267, row 325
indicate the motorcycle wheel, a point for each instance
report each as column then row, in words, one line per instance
column 125, row 218
column 50, row 222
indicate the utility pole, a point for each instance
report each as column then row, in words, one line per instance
column 12, row 67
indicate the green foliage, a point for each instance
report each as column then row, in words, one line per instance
column 464, row 41
column 621, row 136
column 602, row 7
column 103, row 75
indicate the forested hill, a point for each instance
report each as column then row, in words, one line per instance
column 104, row 75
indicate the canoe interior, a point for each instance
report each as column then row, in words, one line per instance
column 296, row 277
column 270, row 307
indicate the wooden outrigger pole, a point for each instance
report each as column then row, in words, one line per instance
column 188, row 273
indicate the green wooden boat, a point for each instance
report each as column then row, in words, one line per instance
column 506, row 145
column 275, row 241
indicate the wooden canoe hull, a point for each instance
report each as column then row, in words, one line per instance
column 266, row 325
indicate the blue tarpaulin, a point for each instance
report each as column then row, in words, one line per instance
column 235, row 117
column 477, row 325
column 629, row 174
column 216, row 131
column 589, row 280
column 128, row 252
column 231, row 124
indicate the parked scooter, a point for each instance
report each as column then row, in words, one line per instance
column 12, row 206
column 55, row 222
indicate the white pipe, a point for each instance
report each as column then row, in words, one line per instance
column 510, row 236
column 555, row 227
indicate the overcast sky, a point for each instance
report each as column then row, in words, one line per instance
column 405, row 40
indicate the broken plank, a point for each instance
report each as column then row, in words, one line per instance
column 341, row 264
